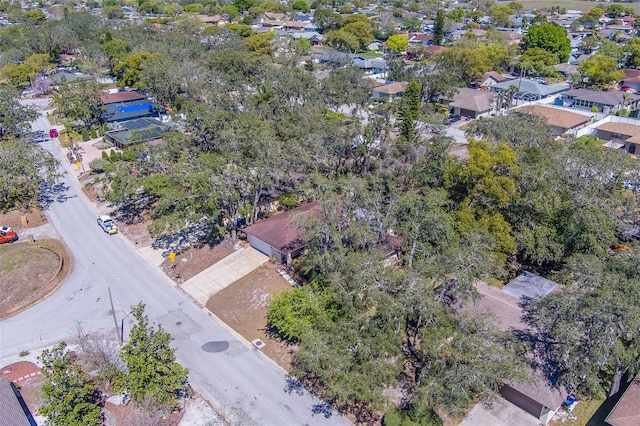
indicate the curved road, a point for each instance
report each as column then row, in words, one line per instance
column 239, row 381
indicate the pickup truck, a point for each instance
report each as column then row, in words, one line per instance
column 107, row 224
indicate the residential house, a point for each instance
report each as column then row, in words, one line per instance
column 389, row 91
column 491, row 78
column 123, row 111
column 607, row 102
column 314, row 38
column 421, row 40
column 120, row 97
column 631, row 79
column 215, row 19
column 567, row 70
column 627, row 133
column 136, row 131
column 561, row 120
column 530, row 90
column 627, row 410
column 282, row 235
column 471, row 103
column 540, row 398
column 13, row 410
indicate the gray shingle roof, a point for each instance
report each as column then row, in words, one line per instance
column 11, row 411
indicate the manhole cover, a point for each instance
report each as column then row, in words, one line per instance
column 216, row 346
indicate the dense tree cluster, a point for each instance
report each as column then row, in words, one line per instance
column 257, row 126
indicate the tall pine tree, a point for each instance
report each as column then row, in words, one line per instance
column 438, row 28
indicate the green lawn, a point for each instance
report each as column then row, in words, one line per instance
column 570, row 4
column 370, row 54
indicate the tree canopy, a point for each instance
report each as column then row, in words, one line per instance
column 550, row 37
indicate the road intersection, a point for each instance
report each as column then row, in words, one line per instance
column 240, row 382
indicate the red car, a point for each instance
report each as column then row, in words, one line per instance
column 53, row 133
column 7, row 236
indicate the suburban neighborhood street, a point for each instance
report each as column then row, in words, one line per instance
column 241, row 383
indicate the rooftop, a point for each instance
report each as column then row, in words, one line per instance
column 627, row 410
column 284, row 231
column 625, row 129
column 556, row 117
column 612, row 98
column 12, row 412
column 113, row 98
column 529, row 285
column 473, row 100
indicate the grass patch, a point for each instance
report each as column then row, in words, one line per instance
column 13, row 257
column 371, row 54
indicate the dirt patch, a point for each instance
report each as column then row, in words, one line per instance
column 195, row 260
column 29, row 272
column 13, row 219
column 243, row 306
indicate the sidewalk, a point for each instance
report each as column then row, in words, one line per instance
column 223, row 273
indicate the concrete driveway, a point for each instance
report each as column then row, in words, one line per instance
column 502, row 413
column 223, row 273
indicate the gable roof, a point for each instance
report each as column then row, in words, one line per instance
column 11, row 410
column 566, row 68
column 625, row 129
column 611, row 98
column 556, row 117
column 112, row 98
column 526, row 85
column 282, row 231
column 473, row 100
column 391, row 88
column 627, row 411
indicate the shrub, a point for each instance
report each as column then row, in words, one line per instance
column 105, row 156
column 411, row 416
column 287, row 200
column 94, row 134
column 99, row 165
column 85, row 135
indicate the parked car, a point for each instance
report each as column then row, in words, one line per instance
column 107, row 224
column 53, row 133
column 7, row 235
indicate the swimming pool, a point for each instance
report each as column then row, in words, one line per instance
column 134, row 108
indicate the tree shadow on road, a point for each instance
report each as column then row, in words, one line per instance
column 53, row 193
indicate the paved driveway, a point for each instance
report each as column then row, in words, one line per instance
column 502, row 413
column 223, row 273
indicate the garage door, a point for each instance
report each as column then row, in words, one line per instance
column 521, row 400
column 259, row 245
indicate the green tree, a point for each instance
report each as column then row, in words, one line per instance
column 80, row 100
column 550, row 37
column 152, row 370
column 70, row 399
column 14, row 117
column 438, row 27
column 632, row 49
column 300, row 6
column 601, row 71
column 260, row 43
column 601, row 341
column 397, row 43
column 409, row 112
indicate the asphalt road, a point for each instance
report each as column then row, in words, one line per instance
column 240, row 382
